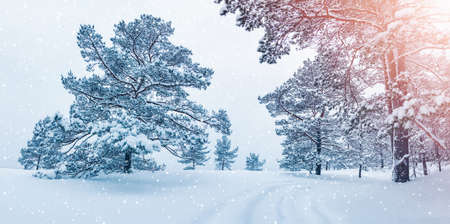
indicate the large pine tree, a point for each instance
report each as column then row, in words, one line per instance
column 134, row 101
column 143, row 77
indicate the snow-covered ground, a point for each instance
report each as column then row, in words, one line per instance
column 224, row 197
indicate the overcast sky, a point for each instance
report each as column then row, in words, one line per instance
column 38, row 45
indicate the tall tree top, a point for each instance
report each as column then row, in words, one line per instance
column 367, row 25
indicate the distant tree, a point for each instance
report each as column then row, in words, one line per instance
column 253, row 163
column 195, row 154
column 44, row 148
column 224, row 155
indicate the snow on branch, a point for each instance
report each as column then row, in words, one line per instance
column 430, row 134
column 415, row 51
column 401, row 160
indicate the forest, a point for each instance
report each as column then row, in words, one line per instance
column 368, row 113
column 375, row 95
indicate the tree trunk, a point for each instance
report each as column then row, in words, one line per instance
column 38, row 162
column 399, row 85
column 319, row 149
column 401, row 167
column 360, row 170
column 223, row 164
column 438, row 156
column 318, row 168
column 127, row 166
column 388, row 94
column 193, row 164
column 424, row 165
column 360, row 151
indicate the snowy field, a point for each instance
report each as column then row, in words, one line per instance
column 224, row 197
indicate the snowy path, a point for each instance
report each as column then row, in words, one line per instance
column 210, row 197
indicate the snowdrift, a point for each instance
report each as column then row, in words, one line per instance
column 224, row 197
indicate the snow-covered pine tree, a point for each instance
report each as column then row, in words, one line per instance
column 421, row 151
column 134, row 102
column 252, row 162
column 142, row 162
column 224, row 154
column 308, row 106
column 400, row 44
column 146, row 76
column 195, row 153
column 431, row 107
column 361, row 135
column 298, row 155
column 115, row 144
column 44, row 148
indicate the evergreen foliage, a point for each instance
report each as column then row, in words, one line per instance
column 195, row 154
column 43, row 150
column 224, row 155
column 400, row 44
column 134, row 102
column 320, row 126
column 252, row 162
column 309, row 106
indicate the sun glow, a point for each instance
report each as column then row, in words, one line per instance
column 444, row 4
column 442, row 9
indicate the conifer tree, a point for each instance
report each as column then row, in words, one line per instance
column 146, row 77
column 135, row 101
column 114, row 144
column 44, row 148
column 252, row 162
column 224, row 155
column 195, row 154
column 309, row 106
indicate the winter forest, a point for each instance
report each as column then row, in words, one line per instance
column 225, row 111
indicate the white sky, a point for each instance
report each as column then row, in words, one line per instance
column 38, row 45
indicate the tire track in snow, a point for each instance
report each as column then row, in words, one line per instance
column 248, row 215
column 285, row 210
column 313, row 213
column 274, row 203
column 244, row 198
column 280, row 215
